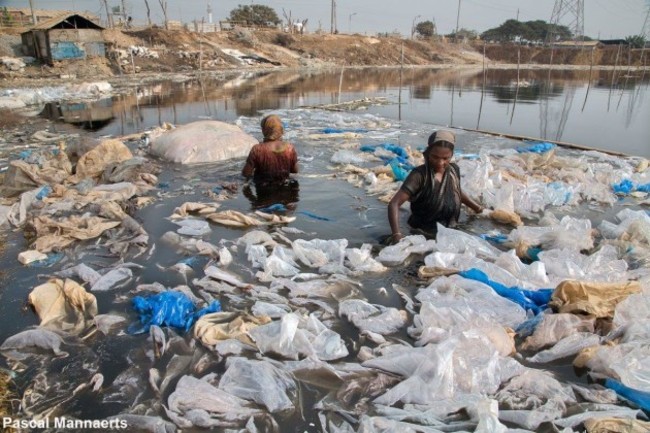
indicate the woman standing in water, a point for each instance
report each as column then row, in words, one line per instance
column 270, row 164
column 272, row 160
column 433, row 190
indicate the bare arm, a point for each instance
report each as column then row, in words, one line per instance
column 248, row 169
column 294, row 166
column 393, row 212
column 464, row 199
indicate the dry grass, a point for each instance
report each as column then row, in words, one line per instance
column 7, row 397
column 10, row 118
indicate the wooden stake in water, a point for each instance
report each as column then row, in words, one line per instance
column 399, row 93
column 591, row 67
column 514, row 104
column 338, row 100
column 609, row 98
column 480, row 108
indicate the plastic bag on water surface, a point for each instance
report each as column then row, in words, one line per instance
column 198, row 402
column 259, row 381
column 554, row 327
column 635, row 308
column 439, row 321
column 374, row 318
column 456, row 241
column 316, row 253
column 465, row 364
column 40, row 338
column 471, row 298
column 294, row 337
column 626, row 362
column 168, row 309
column 396, row 254
column 601, row 266
column 535, row 300
column 567, row 346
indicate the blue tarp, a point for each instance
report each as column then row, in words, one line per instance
column 341, row 131
column 534, row 300
column 626, row 186
column 397, row 150
column 639, row 398
column 173, row 309
column 313, row 215
column 497, row 238
column 536, row 147
column 279, row 207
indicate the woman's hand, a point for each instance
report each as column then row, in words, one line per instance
column 395, row 238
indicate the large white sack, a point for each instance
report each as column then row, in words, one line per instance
column 203, row 141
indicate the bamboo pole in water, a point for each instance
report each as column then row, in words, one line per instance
column 611, row 86
column 480, row 108
column 559, row 143
column 399, row 93
column 338, row 100
column 514, row 104
column 591, row 67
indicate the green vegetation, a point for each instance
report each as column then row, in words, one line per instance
column 424, row 29
column 536, row 31
column 258, row 15
column 636, row 41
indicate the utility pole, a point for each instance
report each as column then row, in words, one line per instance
column 457, row 21
column 332, row 16
column 109, row 17
column 31, row 7
column 350, row 22
column 517, row 14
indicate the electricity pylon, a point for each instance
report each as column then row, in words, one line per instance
column 570, row 13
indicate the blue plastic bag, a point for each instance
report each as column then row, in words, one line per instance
column 399, row 172
column 534, row 300
column 43, row 192
column 624, row 187
column 274, row 207
column 536, row 147
column 340, row 131
column 313, row 215
column 173, row 309
column 639, row 398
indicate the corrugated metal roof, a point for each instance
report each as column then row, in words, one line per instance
column 48, row 24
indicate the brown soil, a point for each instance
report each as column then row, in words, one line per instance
column 180, row 51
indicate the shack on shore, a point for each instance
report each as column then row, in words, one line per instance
column 65, row 37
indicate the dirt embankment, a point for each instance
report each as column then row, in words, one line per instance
column 177, row 51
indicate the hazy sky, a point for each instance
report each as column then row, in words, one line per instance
column 607, row 18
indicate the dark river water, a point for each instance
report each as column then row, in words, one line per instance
column 607, row 110
column 610, row 112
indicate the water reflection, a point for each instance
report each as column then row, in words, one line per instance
column 91, row 116
column 263, row 196
column 450, row 97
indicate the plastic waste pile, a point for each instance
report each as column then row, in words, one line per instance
column 268, row 325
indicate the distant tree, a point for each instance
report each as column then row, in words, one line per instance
column 560, row 33
column 258, row 15
column 529, row 31
column 463, row 34
column 635, row 41
column 6, row 18
column 425, row 29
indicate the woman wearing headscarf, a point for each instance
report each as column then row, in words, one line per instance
column 433, row 190
column 272, row 160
